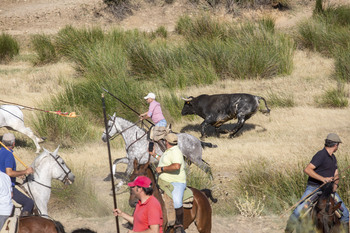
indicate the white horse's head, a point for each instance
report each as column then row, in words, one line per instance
column 57, row 167
column 113, row 127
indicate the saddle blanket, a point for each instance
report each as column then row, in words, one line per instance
column 10, row 225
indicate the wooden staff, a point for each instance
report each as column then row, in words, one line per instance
column 110, row 159
column 296, row 204
column 18, row 159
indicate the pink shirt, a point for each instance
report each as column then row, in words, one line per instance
column 148, row 213
column 155, row 112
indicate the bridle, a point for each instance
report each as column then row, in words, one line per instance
column 65, row 178
column 121, row 132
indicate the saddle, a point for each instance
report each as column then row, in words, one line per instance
column 157, row 134
column 311, row 201
column 166, row 189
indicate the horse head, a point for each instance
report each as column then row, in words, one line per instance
column 55, row 165
column 325, row 211
column 113, row 128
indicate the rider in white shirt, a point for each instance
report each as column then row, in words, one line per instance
column 6, row 205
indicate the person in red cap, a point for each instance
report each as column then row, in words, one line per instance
column 148, row 216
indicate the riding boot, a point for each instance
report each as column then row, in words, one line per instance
column 179, row 222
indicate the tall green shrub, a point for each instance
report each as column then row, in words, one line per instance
column 44, row 49
column 9, row 47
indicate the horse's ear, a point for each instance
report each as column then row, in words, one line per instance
column 114, row 114
column 56, row 151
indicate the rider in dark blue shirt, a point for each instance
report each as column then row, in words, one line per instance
column 321, row 169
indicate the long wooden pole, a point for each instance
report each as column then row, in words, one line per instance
column 19, row 160
column 125, row 104
column 110, row 159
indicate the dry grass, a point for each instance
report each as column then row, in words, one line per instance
column 284, row 138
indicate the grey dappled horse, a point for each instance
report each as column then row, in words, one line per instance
column 47, row 166
column 136, row 145
column 11, row 117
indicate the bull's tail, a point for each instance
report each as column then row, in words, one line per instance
column 267, row 111
column 208, row 144
column 208, row 194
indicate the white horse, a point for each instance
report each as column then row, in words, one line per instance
column 136, row 145
column 11, row 117
column 47, row 166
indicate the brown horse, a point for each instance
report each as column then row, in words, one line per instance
column 324, row 213
column 200, row 212
column 37, row 224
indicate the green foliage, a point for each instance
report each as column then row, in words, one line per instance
column 201, row 27
column 161, row 32
column 342, row 63
column 81, row 196
column 69, row 40
column 9, row 47
column 196, row 178
column 264, row 182
column 44, row 49
column 280, row 100
column 173, row 104
column 268, row 24
column 333, row 98
column 326, row 30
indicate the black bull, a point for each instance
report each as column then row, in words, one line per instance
column 217, row 109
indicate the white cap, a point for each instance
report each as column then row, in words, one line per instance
column 150, row 95
column 8, row 137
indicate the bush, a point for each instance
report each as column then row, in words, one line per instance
column 262, row 182
column 44, row 49
column 9, row 47
column 281, row 100
column 342, row 63
column 333, row 98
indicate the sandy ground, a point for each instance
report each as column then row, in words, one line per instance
column 285, row 137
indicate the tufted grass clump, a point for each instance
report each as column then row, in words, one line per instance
column 261, row 182
column 326, row 29
column 9, row 47
column 342, row 63
column 333, row 98
column 44, row 48
column 280, row 100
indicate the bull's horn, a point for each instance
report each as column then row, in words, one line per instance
column 187, row 99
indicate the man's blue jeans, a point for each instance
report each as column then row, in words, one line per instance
column 310, row 189
column 178, row 194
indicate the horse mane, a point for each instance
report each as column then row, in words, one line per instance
column 327, row 190
column 129, row 123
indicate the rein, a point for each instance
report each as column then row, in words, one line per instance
column 121, row 132
column 65, row 179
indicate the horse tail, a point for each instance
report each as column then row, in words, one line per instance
column 208, row 194
column 208, row 144
column 59, row 227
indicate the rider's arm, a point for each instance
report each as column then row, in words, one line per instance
column 310, row 171
column 129, row 218
column 170, row 168
column 13, row 173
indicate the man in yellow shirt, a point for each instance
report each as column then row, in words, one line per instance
column 171, row 168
